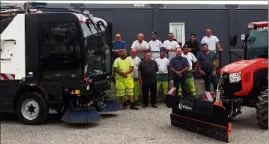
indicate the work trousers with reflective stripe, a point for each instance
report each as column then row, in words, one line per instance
column 136, row 89
column 190, row 84
column 164, row 85
column 162, row 80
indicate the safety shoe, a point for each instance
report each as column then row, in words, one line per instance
column 127, row 102
column 137, row 103
column 133, row 107
column 154, row 106
column 124, row 105
column 124, row 108
column 144, row 106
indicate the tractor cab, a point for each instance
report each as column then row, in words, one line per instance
column 255, row 40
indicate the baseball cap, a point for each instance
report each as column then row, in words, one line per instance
column 185, row 46
column 204, row 44
column 154, row 32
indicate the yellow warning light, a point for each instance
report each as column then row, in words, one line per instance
column 77, row 92
column 72, row 92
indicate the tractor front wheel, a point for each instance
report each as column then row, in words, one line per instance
column 262, row 109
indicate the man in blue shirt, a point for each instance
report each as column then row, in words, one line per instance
column 118, row 45
column 209, row 63
column 178, row 66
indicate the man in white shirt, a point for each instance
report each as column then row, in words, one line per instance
column 212, row 41
column 162, row 74
column 171, row 46
column 136, row 61
column 140, row 45
column 155, row 46
column 189, row 74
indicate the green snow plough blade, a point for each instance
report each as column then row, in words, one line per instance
column 199, row 116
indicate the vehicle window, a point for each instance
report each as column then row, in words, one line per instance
column 257, row 43
column 92, row 28
column 87, row 31
column 61, row 51
column 258, row 38
column 99, row 60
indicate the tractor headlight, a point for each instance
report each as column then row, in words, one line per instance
column 234, row 77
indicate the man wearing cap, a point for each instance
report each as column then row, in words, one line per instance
column 171, row 46
column 154, row 46
column 136, row 61
column 140, row 45
column 189, row 74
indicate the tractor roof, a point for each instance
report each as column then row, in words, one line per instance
column 258, row 24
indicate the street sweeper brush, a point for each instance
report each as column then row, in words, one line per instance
column 197, row 115
column 81, row 115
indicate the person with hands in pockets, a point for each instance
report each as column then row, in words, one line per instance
column 123, row 68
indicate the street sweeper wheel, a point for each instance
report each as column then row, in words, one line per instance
column 262, row 109
column 32, row 109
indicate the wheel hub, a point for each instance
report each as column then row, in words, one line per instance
column 30, row 109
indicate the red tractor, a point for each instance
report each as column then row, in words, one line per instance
column 241, row 83
column 245, row 82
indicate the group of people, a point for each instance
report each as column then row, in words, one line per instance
column 152, row 63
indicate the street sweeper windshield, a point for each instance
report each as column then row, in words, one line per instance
column 98, row 58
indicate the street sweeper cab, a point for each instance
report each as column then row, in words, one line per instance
column 242, row 83
column 57, row 60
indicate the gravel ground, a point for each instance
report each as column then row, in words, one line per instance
column 147, row 126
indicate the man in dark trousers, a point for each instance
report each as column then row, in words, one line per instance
column 147, row 77
column 208, row 61
column 178, row 66
column 193, row 44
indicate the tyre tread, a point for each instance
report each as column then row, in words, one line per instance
column 262, row 109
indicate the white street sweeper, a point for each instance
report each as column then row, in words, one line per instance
column 55, row 60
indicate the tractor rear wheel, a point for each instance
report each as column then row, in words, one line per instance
column 262, row 109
